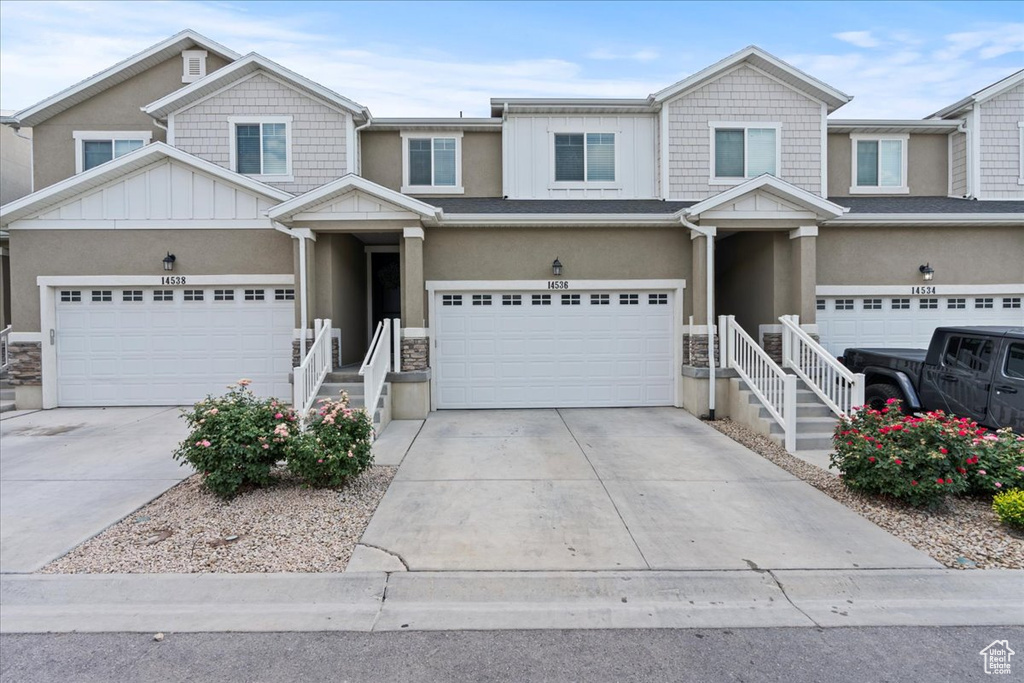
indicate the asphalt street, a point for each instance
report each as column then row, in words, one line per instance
column 790, row 655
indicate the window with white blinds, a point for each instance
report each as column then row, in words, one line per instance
column 744, row 152
column 261, row 147
column 431, row 162
column 879, row 164
column 585, row 157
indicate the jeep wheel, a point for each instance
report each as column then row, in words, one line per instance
column 876, row 396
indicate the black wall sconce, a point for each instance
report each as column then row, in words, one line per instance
column 169, row 261
column 556, row 267
column 927, row 272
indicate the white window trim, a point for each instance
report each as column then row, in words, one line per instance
column 234, row 121
column 745, row 126
column 583, row 184
column 190, row 54
column 81, row 136
column 1020, row 151
column 903, row 188
column 432, row 135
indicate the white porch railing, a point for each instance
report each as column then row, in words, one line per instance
column 840, row 389
column 5, row 351
column 310, row 373
column 775, row 388
column 377, row 363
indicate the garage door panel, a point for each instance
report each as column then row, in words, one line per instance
column 169, row 352
column 571, row 352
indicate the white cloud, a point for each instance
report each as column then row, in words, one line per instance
column 638, row 56
column 988, row 42
column 858, row 38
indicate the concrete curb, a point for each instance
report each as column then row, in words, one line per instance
column 375, row 601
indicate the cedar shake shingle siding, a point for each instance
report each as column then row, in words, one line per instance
column 744, row 94
column 958, row 165
column 318, row 134
column 1000, row 145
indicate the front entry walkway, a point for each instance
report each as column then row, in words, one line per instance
column 608, row 489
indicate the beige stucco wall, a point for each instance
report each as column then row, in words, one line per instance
column 481, row 161
column 339, row 291
column 927, row 165
column 586, row 254
column 891, row 256
column 958, row 165
column 137, row 252
column 15, row 163
column 115, row 109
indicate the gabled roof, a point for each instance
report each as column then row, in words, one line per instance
column 766, row 62
column 772, row 185
column 342, row 186
column 247, row 65
column 122, row 166
column 119, row 73
column 991, row 91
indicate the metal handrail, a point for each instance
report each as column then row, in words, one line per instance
column 841, row 390
column 775, row 388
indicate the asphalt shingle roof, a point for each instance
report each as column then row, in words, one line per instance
column 926, row 205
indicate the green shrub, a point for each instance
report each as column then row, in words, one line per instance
column 236, row 439
column 335, row 445
column 915, row 459
column 997, row 462
column 1009, row 507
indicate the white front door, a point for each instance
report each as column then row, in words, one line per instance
column 907, row 321
column 529, row 349
column 171, row 345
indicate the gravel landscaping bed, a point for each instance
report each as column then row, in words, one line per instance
column 964, row 534
column 283, row 528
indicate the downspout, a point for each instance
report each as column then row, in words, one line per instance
column 358, row 151
column 303, row 316
column 709, row 234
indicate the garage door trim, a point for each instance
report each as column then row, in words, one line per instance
column 677, row 286
column 48, row 286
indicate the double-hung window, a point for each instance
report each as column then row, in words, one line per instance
column 93, row 148
column 743, row 150
column 432, row 163
column 260, row 146
column 584, row 157
column 879, row 164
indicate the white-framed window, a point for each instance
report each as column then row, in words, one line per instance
column 583, row 157
column 261, row 147
column 432, row 162
column 95, row 147
column 879, row 164
column 743, row 149
column 1020, row 152
column 193, row 65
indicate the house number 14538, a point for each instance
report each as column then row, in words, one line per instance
column 173, row 280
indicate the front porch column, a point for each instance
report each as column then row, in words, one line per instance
column 415, row 343
column 695, row 340
column 804, row 280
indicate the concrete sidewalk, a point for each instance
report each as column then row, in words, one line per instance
column 377, row 601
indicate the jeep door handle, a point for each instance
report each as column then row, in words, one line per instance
column 1006, row 390
column 951, row 378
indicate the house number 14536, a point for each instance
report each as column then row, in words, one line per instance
column 558, row 284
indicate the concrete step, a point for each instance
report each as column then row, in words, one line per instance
column 7, row 394
column 810, row 425
column 6, row 406
column 345, row 376
column 805, row 410
column 805, row 442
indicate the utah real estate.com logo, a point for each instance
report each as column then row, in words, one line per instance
column 997, row 657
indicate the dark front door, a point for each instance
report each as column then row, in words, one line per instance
column 385, row 287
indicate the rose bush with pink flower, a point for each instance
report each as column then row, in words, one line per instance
column 922, row 458
column 236, row 439
column 335, row 446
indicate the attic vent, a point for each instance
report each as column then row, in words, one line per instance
column 194, row 66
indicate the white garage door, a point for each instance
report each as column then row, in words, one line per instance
column 544, row 350
column 907, row 321
column 173, row 346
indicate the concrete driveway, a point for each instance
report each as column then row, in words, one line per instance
column 607, row 489
column 67, row 474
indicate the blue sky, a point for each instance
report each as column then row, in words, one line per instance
column 902, row 60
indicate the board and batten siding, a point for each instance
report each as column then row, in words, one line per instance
column 957, row 164
column 743, row 94
column 1000, row 145
column 163, row 191
column 529, row 157
column 318, row 132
